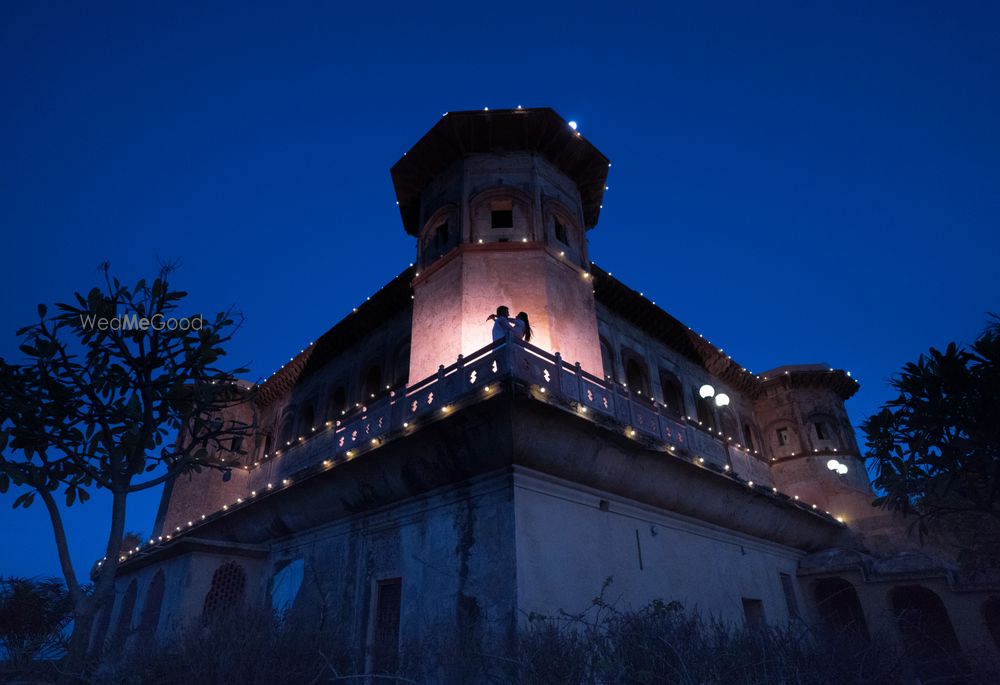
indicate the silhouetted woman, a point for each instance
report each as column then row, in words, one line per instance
column 522, row 329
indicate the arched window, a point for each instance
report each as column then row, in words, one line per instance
column 337, row 404
column 559, row 229
column 307, row 418
column 373, row 382
column 839, row 607
column 673, row 396
column 150, row 617
column 729, row 425
column 285, row 432
column 124, row 625
column 401, row 365
column 607, row 360
column 636, row 376
column 926, row 630
column 501, row 214
column 438, row 235
column 706, row 411
column 748, row 436
column 441, row 235
column 227, row 590
column 267, row 444
column 823, row 429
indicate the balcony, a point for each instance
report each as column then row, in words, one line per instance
column 506, row 365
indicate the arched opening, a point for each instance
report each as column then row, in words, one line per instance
column 285, row 584
column 441, row 235
column 673, row 395
column 307, row 418
column 266, row 442
column 438, row 235
column 729, row 425
column 285, row 432
column 401, row 365
column 927, row 633
column 748, row 440
column 706, row 411
column 839, row 607
column 635, row 374
column 823, row 430
column 501, row 214
column 124, row 625
column 373, row 383
column 150, row 617
column 607, row 361
column 559, row 228
column 227, row 590
column 991, row 616
column 336, row 405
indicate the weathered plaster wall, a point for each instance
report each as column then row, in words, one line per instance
column 568, row 545
column 453, row 550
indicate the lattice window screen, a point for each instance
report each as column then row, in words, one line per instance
column 228, row 586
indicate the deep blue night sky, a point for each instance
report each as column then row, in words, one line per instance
column 798, row 182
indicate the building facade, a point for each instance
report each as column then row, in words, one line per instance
column 416, row 482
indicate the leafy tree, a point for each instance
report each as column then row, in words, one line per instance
column 935, row 449
column 33, row 615
column 115, row 407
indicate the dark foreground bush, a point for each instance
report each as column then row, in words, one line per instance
column 659, row 644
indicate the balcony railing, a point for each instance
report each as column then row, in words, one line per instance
column 476, row 377
column 556, row 380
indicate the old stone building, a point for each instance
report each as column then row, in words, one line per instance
column 414, row 480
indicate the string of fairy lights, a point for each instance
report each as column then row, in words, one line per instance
column 407, row 426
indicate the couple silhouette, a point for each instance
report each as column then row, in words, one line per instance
column 503, row 325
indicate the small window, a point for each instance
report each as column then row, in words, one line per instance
column 747, row 436
column 753, row 611
column 502, row 218
column 560, row 231
column 385, row 640
column 237, row 444
column 790, row 600
column 268, row 444
column 821, row 431
column 782, row 436
column 441, row 235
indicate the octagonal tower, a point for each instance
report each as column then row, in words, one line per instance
column 500, row 203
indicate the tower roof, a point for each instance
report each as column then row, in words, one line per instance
column 458, row 134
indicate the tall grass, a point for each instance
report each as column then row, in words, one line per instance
column 660, row 644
